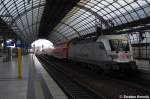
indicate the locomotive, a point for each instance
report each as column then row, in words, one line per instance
column 108, row 52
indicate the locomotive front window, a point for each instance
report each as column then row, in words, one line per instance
column 119, row 45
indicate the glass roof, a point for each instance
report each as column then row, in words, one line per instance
column 87, row 15
column 23, row 16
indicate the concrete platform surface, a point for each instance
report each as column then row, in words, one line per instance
column 36, row 83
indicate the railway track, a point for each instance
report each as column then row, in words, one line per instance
column 104, row 87
column 72, row 89
column 137, row 80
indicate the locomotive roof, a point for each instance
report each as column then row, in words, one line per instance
column 112, row 37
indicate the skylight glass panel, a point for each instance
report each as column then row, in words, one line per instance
column 141, row 13
column 129, row 18
column 117, row 12
column 147, row 10
column 22, row 14
column 74, row 35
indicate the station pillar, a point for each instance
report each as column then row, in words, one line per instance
column 19, row 63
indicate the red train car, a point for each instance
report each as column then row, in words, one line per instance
column 61, row 51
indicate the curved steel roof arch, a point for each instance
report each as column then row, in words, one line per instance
column 32, row 8
column 89, row 22
column 30, row 26
column 56, row 38
column 25, row 15
column 62, row 35
column 94, row 13
column 4, row 6
column 67, row 23
column 71, row 28
column 88, row 10
column 107, row 12
column 116, row 13
column 85, row 18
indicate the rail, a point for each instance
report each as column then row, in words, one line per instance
column 104, row 87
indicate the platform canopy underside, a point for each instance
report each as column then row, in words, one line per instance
column 23, row 17
column 91, row 17
column 64, row 20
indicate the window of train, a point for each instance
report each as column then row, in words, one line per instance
column 119, row 45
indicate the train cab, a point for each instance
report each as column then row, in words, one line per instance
column 118, row 50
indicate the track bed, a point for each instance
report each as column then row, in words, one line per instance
column 103, row 86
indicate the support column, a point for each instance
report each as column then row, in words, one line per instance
column 19, row 63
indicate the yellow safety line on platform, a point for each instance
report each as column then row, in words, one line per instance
column 19, row 64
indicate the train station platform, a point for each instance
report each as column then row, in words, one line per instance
column 36, row 83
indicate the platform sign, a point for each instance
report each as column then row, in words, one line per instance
column 9, row 43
